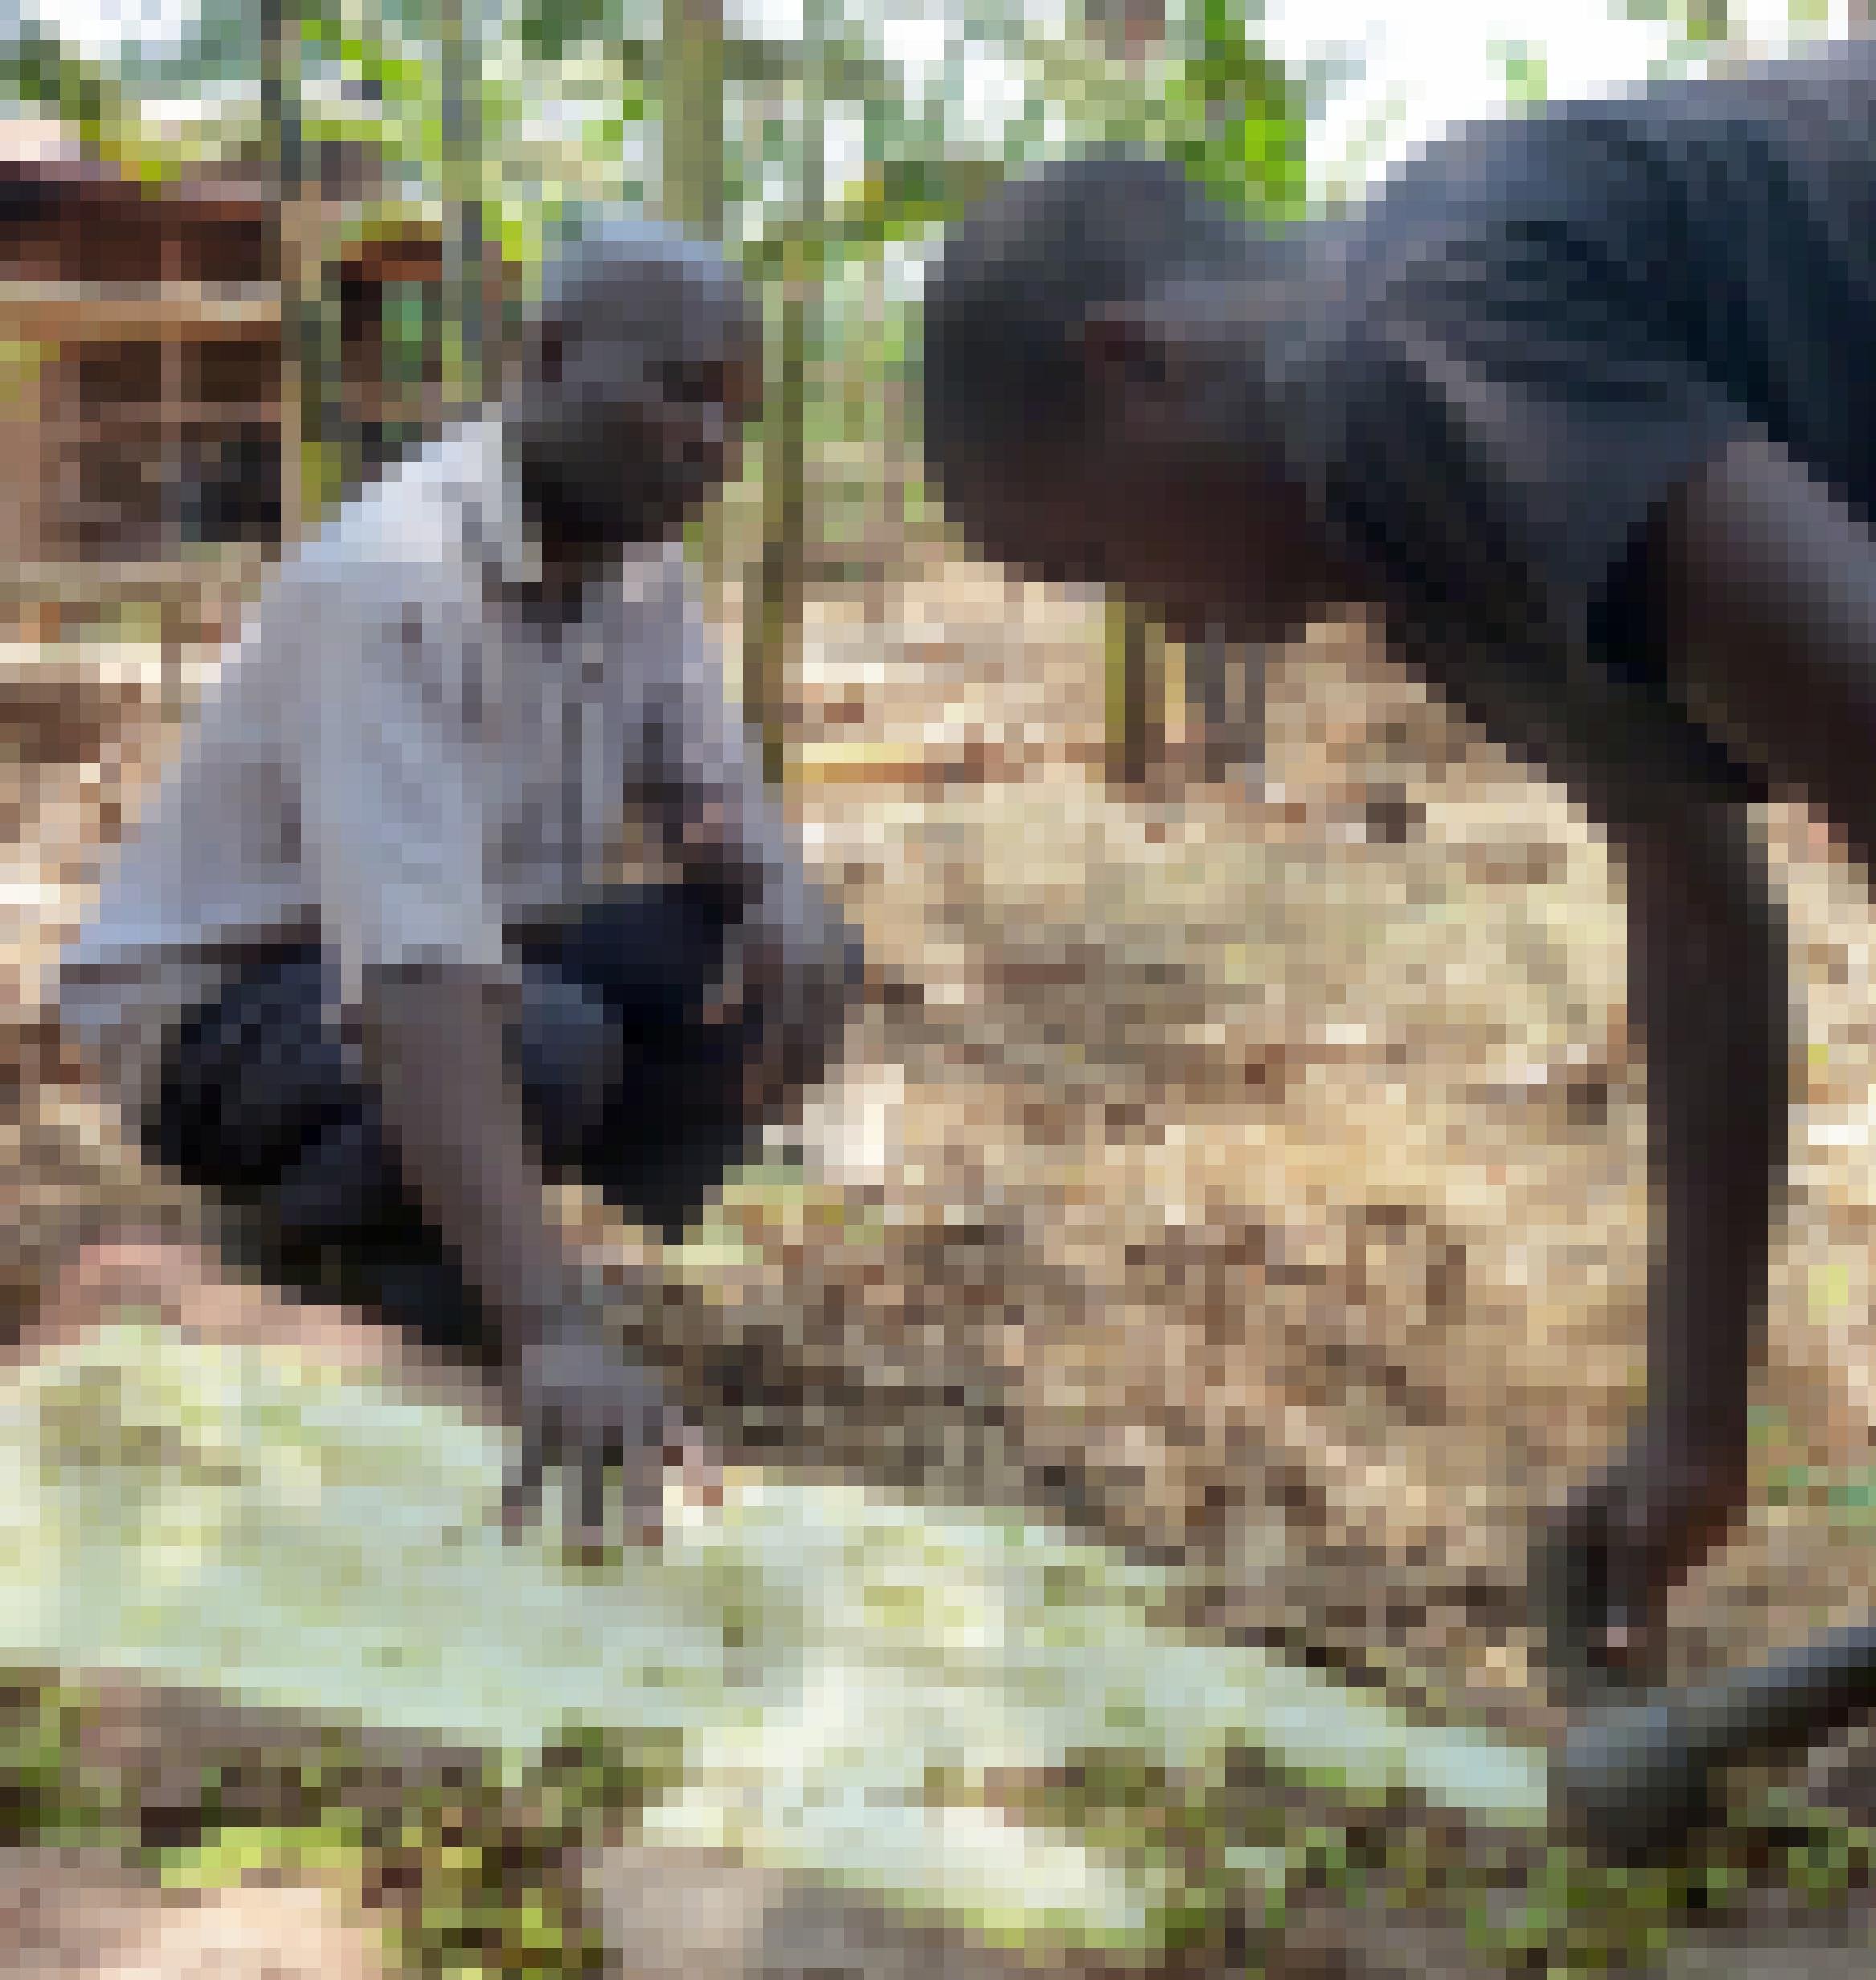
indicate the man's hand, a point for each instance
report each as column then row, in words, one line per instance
column 1606, row 1562
column 584, row 1406
column 798, row 973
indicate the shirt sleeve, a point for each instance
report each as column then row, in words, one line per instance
column 394, row 799
column 706, row 782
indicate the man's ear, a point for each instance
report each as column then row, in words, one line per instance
column 1126, row 347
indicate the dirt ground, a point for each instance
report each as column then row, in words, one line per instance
column 63, row 1913
column 1254, row 1177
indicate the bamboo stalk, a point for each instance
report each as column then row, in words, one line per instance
column 1135, row 693
column 691, row 194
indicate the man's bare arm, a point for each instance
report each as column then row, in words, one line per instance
column 433, row 1040
column 434, row 1043
column 1761, row 588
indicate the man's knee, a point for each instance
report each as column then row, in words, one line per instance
column 247, row 1079
column 569, row 1056
column 648, row 953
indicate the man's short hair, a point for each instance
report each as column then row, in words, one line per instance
column 597, row 244
column 1017, row 277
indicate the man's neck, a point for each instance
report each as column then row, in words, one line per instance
column 570, row 573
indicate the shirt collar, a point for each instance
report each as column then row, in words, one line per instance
column 495, row 524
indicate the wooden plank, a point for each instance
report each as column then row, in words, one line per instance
column 68, row 313
column 822, row 766
column 75, row 577
column 202, row 412
column 909, row 766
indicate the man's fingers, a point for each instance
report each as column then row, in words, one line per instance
column 1583, row 1584
column 1566, row 1594
column 642, row 1492
column 618, row 1479
column 1607, row 1564
column 521, row 1494
column 590, row 1496
column 1626, row 1634
column 699, row 1464
column 612, row 1468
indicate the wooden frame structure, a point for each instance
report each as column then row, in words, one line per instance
column 144, row 445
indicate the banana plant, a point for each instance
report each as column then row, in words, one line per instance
column 39, row 70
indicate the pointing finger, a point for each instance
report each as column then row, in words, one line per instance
column 521, row 1494
column 589, row 1494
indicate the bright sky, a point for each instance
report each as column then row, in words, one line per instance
column 1429, row 65
column 1424, row 65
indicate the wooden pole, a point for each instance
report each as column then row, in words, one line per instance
column 280, row 120
column 1225, row 695
column 1128, row 31
column 691, row 171
column 469, row 353
column 772, row 626
column 311, row 465
column 1135, row 693
column 691, row 141
column 772, row 619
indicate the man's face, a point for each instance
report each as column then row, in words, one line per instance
column 631, row 410
column 1204, row 547
column 1162, row 486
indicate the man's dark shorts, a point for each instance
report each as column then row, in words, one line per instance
column 624, row 1085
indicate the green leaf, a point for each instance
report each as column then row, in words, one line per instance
column 552, row 29
column 1525, row 77
column 39, row 69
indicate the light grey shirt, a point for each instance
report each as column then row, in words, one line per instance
column 397, row 761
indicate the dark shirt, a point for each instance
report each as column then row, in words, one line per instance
column 1489, row 377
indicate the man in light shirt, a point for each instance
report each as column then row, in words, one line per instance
column 357, row 971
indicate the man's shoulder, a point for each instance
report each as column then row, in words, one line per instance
column 396, row 546
column 410, row 517
column 1563, row 162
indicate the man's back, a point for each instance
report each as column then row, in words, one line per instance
column 1736, row 215
column 1490, row 378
